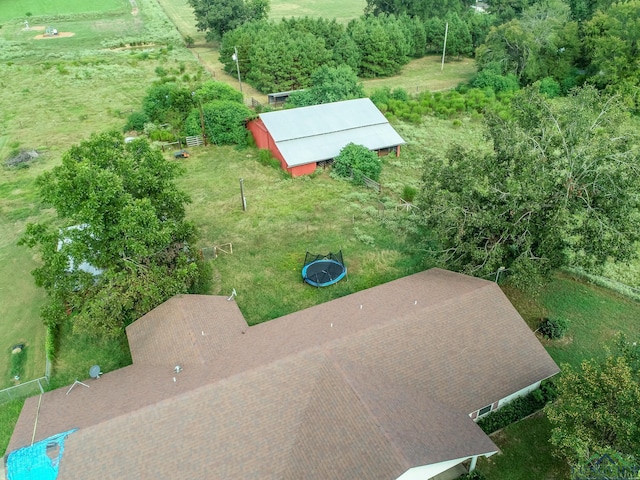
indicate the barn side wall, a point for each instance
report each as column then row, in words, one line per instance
column 264, row 139
column 300, row 170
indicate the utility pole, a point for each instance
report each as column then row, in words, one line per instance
column 235, row 58
column 444, row 48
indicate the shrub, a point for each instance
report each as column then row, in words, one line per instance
column 265, row 158
column 554, row 327
column 224, row 122
column 475, row 475
column 213, row 90
column 50, row 341
column 518, row 409
column 354, row 161
column 549, row 87
column 497, row 82
column 136, row 121
column 409, row 193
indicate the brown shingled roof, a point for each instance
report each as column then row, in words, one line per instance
column 365, row 386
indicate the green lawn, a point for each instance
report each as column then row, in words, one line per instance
column 18, row 10
column 341, row 10
column 525, row 453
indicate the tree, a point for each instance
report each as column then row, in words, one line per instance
column 559, row 189
column 128, row 220
column 383, row 46
column 282, row 60
column 542, row 43
column 354, row 161
column 215, row 17
column 167, row 103
column 612, row 44
column 328, row 85
column 596, row 411
column 458, row 39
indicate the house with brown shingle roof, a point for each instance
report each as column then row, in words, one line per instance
column 382, row 384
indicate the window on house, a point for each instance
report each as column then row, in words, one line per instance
column 485, row 410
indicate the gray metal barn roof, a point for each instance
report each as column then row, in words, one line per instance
column 312, row 134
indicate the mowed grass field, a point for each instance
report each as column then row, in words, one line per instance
column 25, row 9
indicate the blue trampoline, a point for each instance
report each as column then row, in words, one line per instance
column 323, row 270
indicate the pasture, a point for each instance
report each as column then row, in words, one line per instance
column 27, row 9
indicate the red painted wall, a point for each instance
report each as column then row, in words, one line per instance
column 264, row 140
column 300, row 170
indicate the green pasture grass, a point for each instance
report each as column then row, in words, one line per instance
column 595, row 316
column 21, row 299
column 525, row 453
column 17, row 10
column 76, row 354
column 181, row 14
column 285, row 217
column 429, row 139
column 341, row 10
column 424, row 74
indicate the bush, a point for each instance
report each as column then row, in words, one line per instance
column 265, row 158
column 224, row 122
column 554, row 327
column 409, row 193
column 354, row 161
column 475, row 475
column 50, row 341
column 136, row 121
column 549, row 87
column 518, row 409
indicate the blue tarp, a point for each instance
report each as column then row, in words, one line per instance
column 33, row 463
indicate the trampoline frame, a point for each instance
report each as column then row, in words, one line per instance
column 330, row 260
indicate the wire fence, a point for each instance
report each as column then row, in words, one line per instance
column 26, row 389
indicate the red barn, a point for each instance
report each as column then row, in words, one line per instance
column 300, row 138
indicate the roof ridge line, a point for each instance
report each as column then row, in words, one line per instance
column 402, row 459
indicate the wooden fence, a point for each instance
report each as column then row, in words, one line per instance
column 195, row 141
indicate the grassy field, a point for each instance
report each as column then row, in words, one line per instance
column 341, row 10
column 27, row 9
column 525, row 443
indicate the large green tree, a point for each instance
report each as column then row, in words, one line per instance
column 543, row 42
column 122, row 215
column 612, row 45
column 559, row 188
column 215, row 17
column 596, row 411
column 383, row 45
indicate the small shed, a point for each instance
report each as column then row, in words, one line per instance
column 279, row 98
column 301, row 138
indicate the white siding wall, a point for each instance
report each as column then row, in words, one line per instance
column 503, row 401
column 517, row 394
